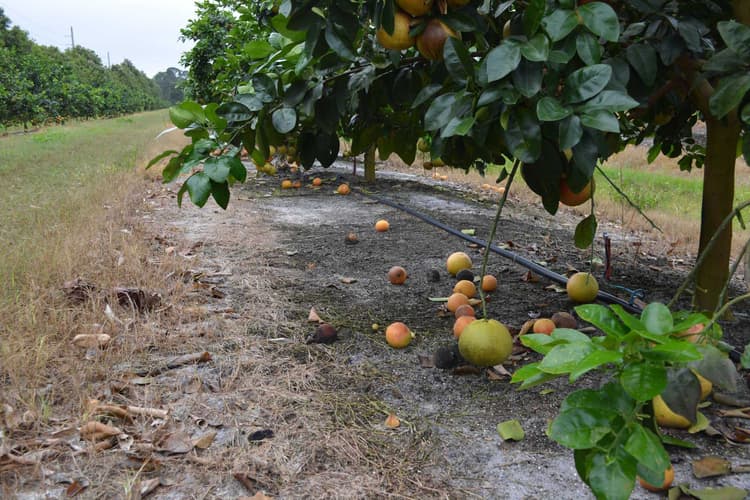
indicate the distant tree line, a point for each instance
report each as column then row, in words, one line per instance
column 170, row 84
column 40, row 83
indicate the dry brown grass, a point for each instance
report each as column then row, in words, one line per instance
column 95, row 238
column 329, row 441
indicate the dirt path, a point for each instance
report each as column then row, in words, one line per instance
column 270, row 412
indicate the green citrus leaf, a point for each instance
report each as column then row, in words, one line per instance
column 500, row 61
column 586, row 82
column 580, row 428
column 510, row 430
column 643, row 381
column 585, row 232
column 657, row 318
column 646, row 447
column 560, row 23
column 563, row 358
column 601, row 20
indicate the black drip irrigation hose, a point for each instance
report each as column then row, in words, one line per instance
column 533, row 266
column 734, row 353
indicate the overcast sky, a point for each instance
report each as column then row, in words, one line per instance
column 144, row 31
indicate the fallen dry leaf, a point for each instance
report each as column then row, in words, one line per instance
column 176, row 442
column 96, row 431
column 530, row 277
column 76, row 487
column 313, row 316
column 711, row 466
column 347, row 280
column 89, row 340
column 94, row 407
column 149, row 485
column 205, row 440
column 526, row 328
column 392, row 421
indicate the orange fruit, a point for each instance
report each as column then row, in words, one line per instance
column 582, row 287
column 382, row 226
column 398, row 335
column 399, row 39
column 465, row 310
column 668, row 478
column 461, row 323
column 317, row 181
column 286, row 184
column 571, row 199
column 297, row 184
column 397, row 275
column 485, row 342
column 489, row 283
column 456, row 300
column 343, row 189
column 457, row 261
column 466, row 287
column 543, row 325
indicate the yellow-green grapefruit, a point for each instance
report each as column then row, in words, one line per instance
column 582, row 287
column 485, row 342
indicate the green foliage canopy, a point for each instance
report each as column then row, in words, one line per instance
column 39, row 82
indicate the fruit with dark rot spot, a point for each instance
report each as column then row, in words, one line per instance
column 465, row 274
column 457, row 261
column 397, row 275
column 563, row 319
column 324, row 334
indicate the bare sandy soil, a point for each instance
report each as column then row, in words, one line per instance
column 267, row 412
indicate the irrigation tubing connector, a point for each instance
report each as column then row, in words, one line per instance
column 630, row 306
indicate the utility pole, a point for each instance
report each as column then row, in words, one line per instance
column 72, row 40
column 109, row 65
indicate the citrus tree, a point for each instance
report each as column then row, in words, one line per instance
column 558, row 85
column 39, row 82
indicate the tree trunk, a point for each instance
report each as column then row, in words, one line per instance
column 717, row 204
column 370, row 165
